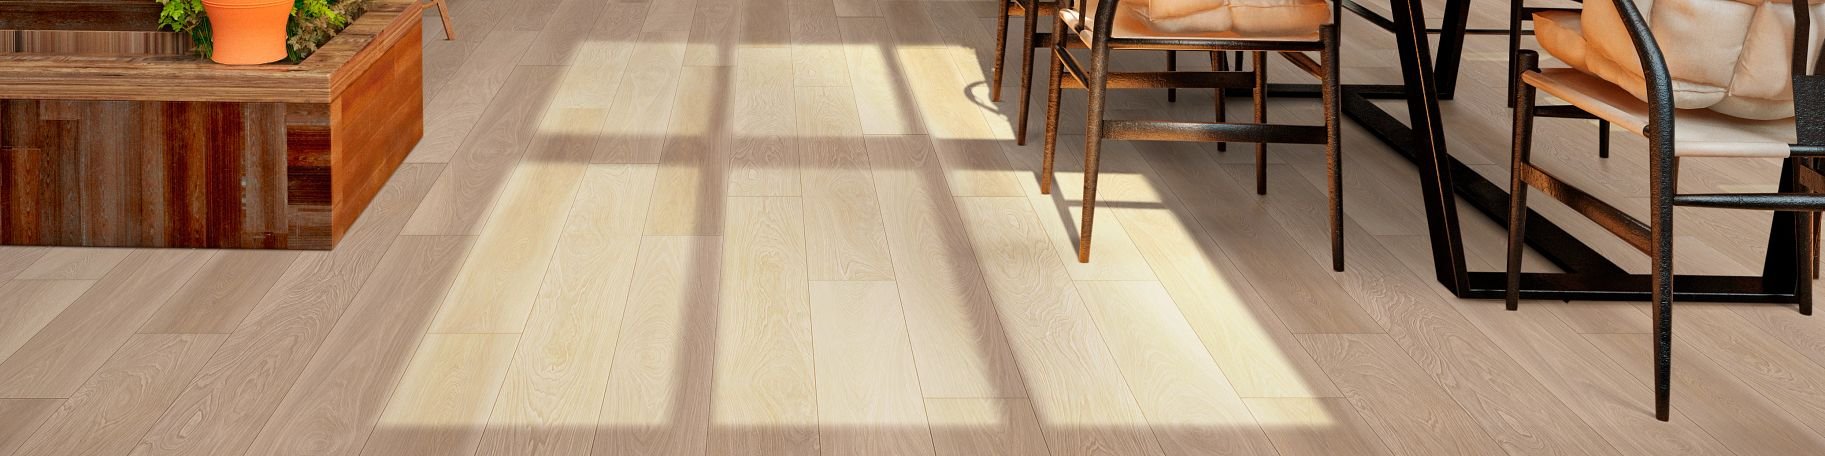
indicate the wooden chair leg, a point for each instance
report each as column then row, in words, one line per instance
column 1172, row 64
column 1030, row 27
column 443, row 12
column 1053, row 90
column 1260, row 118
column 1517, row 187
column 1219, row 61
column 1001, row 50
column 1333, row 139
column 1093, row 142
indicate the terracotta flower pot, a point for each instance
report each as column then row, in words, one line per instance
column 247, row 32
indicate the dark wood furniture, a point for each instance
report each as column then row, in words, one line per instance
column 153, row 149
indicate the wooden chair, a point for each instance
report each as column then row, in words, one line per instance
column 1104, row 33
column 1518, row 13
column 1030, row 11
column 443, row 12
column 1672, row 134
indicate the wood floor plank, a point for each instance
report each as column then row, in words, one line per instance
column 1315, row 427
column 15, row 259
column 1463, row 359
column 693, row 170
column 973, row 162
column 886, row 104
column 1257, row 352
column 1409, row 410
column 1188, row 402
column 20, row 418
column 222, row 294
column 640, row 117
column 1730, row 410
column 818, row 58
column 110, row 412
column 984, row 426
column 1083, row 403
column 495, row 289
column 336, row 401
column 844, row 236
column 250, row 374
column 554, row 391
column 765, row 396
column 1782, row 374
column 658, row 399
column 765, row 161
column 1306, row 298
column 597, row 65
column 458, row 107
column 443, row 399
column 1122, row 183
column 560, row 40
column 672, row 16
column 463, row 196
column 868, row 394
column 26, row 306
column 74, row 264
column 69, row 348
column 1594, row 388
column 713, row 34
column 956, row 334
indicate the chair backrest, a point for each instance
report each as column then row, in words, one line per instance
column 1808, row 86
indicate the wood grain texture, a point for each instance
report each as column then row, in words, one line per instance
column 867, row 387
column 335, row 402
column 1744, row 421
column 1412, row 414
column 956, row 333
column 79, row 340
column 886, row 105
column 1315, row 427
column 971, row 426
column 222, row 294
column 643, row 104
column 764, row 392
column 27, row 305
column 444, row 397
column 74, row 264
column 765, row 162
column 843, row 228
column 453, row 114
column 658, row 398
column 554, row 390
column 129, row 392
column 193, row 167
column 693, row 168
column 20, row 418
column 14, row 260
column 496, row 287
column 459, row 203
column 1185, row 396
column 1075, row 382
column 221, row 411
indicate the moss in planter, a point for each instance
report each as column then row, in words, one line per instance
column 312, row 23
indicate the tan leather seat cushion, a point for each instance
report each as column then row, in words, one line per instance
column 1698, row 132
column 1216, row 19
column 1728, row 56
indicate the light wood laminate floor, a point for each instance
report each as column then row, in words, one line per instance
column 741, row 227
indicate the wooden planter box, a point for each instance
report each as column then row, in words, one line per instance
column 110, row 138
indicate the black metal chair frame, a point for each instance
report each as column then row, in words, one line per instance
column 1097, row 79
column 1655, row 238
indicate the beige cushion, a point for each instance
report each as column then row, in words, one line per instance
column 1698, row 132
column 1215, row 19
column 1730, row 56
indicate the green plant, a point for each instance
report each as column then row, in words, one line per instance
column 312, row 23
